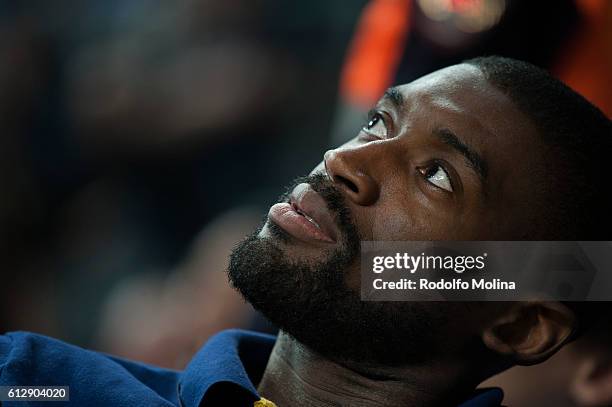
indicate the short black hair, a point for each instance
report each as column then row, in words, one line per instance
column 580, row 136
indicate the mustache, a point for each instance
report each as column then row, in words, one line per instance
column 334, row 199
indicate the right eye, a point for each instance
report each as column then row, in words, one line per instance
column 376, row 126
column 437, row 176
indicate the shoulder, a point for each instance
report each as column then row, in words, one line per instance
column 485, row 397
column 29, row 359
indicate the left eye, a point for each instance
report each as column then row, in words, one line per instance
column 376, row 126
column 436, row 175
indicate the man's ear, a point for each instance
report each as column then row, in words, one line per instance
column 530, row 332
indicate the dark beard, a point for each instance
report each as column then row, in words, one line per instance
column 312, row 303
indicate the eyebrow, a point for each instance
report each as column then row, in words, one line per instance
column 394, row 96
column 474, row 160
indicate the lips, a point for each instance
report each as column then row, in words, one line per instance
column 306, row 216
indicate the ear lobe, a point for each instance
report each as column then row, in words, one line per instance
column 530, row 332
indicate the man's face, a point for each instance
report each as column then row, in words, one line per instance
column 446, row 157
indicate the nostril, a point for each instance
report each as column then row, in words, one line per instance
column 350, row 184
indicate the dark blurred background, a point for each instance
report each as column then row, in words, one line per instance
column 140, row 140
column 128, row 127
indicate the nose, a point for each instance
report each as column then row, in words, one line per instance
column 347, row 170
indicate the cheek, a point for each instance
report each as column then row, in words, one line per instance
column 412, row 220
column 395, row 222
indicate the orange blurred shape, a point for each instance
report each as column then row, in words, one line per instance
column 586, row 62
column 375, row 52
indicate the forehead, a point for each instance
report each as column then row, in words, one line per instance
column 461, row 99
column 461, row 95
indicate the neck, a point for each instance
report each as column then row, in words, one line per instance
column 297, row 376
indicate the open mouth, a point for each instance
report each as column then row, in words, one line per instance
column 308, row 218
column 305, row 217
